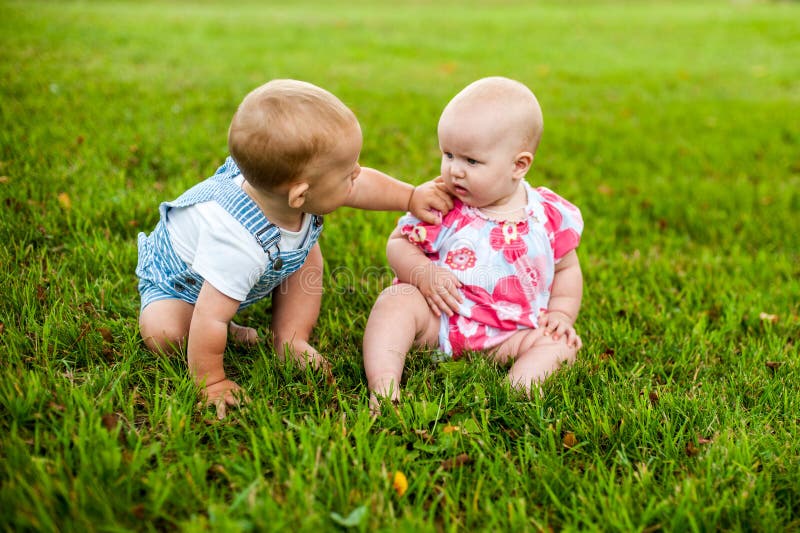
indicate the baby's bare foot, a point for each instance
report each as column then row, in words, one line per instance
column 242, row 335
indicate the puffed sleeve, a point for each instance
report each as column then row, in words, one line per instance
column 428, row 237
column 564, row 223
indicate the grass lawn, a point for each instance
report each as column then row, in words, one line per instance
column 673, row 125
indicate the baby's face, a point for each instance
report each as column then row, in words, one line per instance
column 331, row 176
column 478, row 158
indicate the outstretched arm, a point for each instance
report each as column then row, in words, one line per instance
column 437, row 284
column 377, row 191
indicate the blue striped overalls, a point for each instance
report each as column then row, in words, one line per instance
column 162, row 274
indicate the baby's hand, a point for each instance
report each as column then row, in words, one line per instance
column 440, row 287
column 222, row 394
column 429, row 202
column 556, row 323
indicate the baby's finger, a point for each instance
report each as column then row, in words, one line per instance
column 443, row 305
column 433, row 306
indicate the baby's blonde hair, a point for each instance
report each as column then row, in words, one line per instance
column 280, row 127
column 508, row 100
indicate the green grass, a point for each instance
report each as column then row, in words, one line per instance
column 672, row 125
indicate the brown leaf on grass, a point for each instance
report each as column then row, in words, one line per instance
column 106, row 334
column 138, row 511
column 457, row 461
column 607, row 354
column 766, row 317
column 773, row 365
column 653, row 397
column 4, row 179
column 2, row 328
column 691, row 449
column 424, row 435
column 64, row 200
column 605, row 189
column 110, row 421
column 216, row 471
column 569, row 440
column 450, row 429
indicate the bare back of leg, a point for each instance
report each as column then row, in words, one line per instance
column 164, row 325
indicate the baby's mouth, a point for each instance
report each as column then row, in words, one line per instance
column 459, row 190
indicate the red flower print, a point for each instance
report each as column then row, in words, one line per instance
column 460, row 259
column 530, row 272
column 508, row 237
column 464, row 334
column 506, row 307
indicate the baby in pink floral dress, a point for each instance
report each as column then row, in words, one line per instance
column 500, row 273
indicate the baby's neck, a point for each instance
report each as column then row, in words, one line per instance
column 512, row 208
column 276, row 208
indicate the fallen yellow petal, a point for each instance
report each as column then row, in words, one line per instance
column 400, row 483
column 449, row 429
column 64, row 200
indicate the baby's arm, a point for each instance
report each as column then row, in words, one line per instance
column 437, row 284
column 208, row 335
column 565, row 300
column 377, row 191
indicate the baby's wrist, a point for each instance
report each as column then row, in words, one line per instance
column 410, row 197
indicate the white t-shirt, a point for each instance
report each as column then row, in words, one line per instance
column 216, row 246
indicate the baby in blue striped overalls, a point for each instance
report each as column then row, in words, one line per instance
column 251, row 230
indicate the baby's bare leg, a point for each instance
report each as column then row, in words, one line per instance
column 164, row 325
column 295, row 309
column 399, row 320
column 535, row 356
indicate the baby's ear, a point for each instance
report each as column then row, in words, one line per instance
column 297, row 194
column 522, row 163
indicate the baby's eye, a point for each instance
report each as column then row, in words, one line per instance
column 471, row 161
column 448, row 155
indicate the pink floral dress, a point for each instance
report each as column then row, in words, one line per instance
column 506, row 268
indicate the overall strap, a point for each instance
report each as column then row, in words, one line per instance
column 222, row 189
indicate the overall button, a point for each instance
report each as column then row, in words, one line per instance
column 318, row 220
column 178, row 286
column 191, row 281
column 278, row 264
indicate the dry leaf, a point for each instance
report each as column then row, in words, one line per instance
column 605, row 190
column 106, row 334
column 459, row 460
column 400, row 483
column 691, row 449
column 773, row 364
column 766, row 317
column 4, row 179
column 65, row 200
column 569, row 440
column 653, row 396
column 110, row 421
column 449, row 429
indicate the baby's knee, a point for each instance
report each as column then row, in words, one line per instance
column 399, row 292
